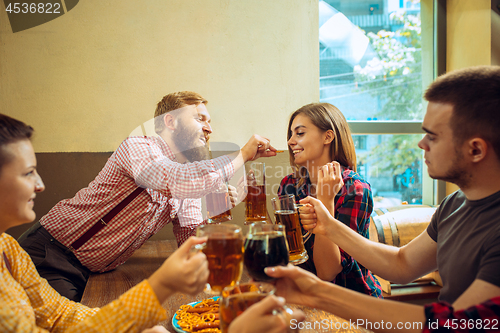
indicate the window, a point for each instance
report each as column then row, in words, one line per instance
column 374, row 65
column 359, row 142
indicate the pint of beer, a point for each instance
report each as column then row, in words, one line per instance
column 219, row 205
column 224, row 251
column 235, row 300
column 285, row 212
column 255, row 201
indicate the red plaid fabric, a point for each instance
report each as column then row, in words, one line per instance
column 484, row 317
column 172, row 194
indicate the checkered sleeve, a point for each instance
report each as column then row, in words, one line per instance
column 484, row 317
column 12, row 322
column 29, row 304
column 189, row 213
column 189, row 217
column 134, row 311
column 147, row 164
column 52, row 311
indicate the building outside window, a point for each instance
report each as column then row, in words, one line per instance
column 372, row 69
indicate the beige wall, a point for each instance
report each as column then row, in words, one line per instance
column 468, row 39
column 468, row 33
column 88, row 78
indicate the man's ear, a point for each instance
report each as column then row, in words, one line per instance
column 329, row 137
column 477, row 149
column 169, row 121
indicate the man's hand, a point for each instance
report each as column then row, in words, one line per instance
column 233, row 195
column 257, row 146
column 315, row 217
column 184, row 271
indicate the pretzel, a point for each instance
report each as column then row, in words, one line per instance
column 200, row 318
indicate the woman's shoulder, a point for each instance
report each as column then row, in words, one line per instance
column 288, row 185
column 351, row 177
column 11, row 248
column 7, row 241
column 289, row 179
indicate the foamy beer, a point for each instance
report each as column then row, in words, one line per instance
column 285, row 211
column 219, row 205
column 224, row 251
column 236, row 299
column 255, row 201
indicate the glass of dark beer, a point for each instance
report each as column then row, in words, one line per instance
column 286, row 213
column 265, row 246
column 224, row 251
column 219, row 205
column 255, row 201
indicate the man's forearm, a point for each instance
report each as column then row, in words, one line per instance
column 237, row 159
column 381, row 259
column 327, row 258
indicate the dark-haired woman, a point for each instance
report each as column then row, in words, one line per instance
column 323, row 157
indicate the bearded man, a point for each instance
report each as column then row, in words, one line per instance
column 146, row 183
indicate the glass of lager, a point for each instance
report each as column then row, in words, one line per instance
column 286, row 213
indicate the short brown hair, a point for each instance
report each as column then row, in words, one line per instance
column 326, row 117
column 474, row 93
column 175, row 101
column 11, row 131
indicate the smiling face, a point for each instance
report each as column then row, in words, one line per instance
column 19, row 183
column 310, row 145
column 444, row 159
column 192, row 131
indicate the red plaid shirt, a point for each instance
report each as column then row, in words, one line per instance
column 172, row 194
column 484, row 317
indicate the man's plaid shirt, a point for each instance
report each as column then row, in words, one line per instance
column 484, row 317
column 172, row 194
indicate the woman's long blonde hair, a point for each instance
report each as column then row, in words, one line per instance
column 326, row 117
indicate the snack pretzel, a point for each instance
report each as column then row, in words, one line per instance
column 200, row 318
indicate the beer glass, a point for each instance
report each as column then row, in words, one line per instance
column 219, row 205
column 285, row 211
column 224, row 251
column 236, row 299
column 255, row 201
column 265, row 246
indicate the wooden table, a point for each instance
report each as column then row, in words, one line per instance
column 106, row 287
